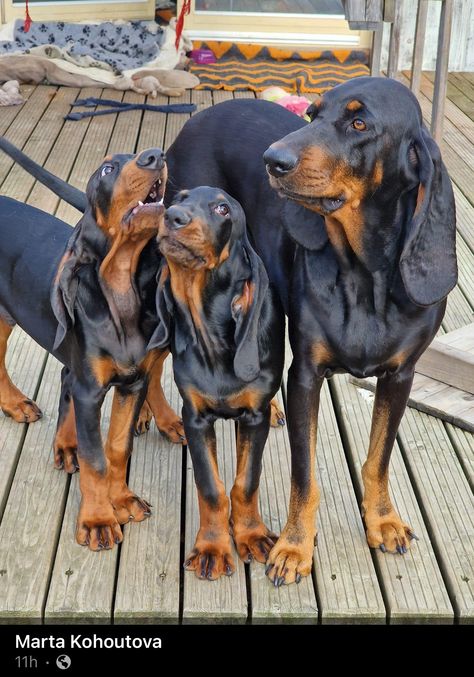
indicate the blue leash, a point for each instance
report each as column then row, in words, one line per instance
column 121, row 106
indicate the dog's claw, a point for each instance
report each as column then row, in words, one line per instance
column 268, row 568
column 298, row 578
column 383, row 548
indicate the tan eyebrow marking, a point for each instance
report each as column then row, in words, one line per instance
column 354, row 105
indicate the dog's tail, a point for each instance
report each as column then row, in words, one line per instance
column 72, row 195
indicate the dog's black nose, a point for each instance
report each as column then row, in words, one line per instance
column 153, row 158
column 280, row 160
column 176, row 217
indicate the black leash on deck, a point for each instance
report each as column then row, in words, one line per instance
column 121, row 107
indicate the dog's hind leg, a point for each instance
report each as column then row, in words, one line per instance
column 65, row 441
column 12, row 401
column 167, row 421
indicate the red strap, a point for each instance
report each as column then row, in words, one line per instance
column 185, row 10
column 28, row 20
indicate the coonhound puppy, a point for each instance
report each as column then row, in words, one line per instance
column 22, row 409
column 84, row 295
column 353, row 216
column 218, row 315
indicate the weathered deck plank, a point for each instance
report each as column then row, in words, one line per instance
column 82, row 582
column 91, row 153
column 175, row 121
column 464, row 218
column 33, row 515
column 346, row 581
column 448, row 504
column 149, row 572
column 9, row 113
column 152, row 129
column 24, row 363
column 24, row 123
column 293, row 603
column 463, row 444
column 224, row 600
column 19, row 183
column 63, row 155
column 413, row 587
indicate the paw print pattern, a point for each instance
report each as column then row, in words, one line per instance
column 122, row 46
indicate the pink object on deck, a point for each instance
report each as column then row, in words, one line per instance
column 203, row 56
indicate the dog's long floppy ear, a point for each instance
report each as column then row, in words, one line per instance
column 305, row 227
column 164, row 307
column 246, row 311
column 64, row 289
column 428, row 260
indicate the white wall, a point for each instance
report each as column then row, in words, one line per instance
column 462, row 37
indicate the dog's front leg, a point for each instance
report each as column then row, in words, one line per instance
column 292, row 556
column 97, row 525
column 385, row 529
column 252, row 538
column 125, row 407
column 211, row 556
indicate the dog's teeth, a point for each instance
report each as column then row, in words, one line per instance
column 161, row 201
column 140, row 203
column 159, row 182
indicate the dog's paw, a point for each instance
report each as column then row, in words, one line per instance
column 253, row 542
column 388, row 532
column 129, row 507
column 171, row 426
column 65, row 457
column 289, row 562
column 98, row 529
column 211, row 559
column 19, row 407
column 277, row 416
column 142, row 424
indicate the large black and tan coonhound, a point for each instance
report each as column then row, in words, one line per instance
column 219, row 317
column 87, row 297
column 354, row 218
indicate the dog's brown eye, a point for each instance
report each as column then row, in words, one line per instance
column 106, row 169
column 222, row 209
column 359, row 125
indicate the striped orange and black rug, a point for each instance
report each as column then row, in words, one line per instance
column 254, row 67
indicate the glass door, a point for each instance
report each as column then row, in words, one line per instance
column 314, row 23
column 326, row 7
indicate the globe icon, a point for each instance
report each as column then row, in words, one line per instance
column 63, row 662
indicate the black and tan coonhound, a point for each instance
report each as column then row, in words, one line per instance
column 353, row 216
column 218, row 314
column 87, row 297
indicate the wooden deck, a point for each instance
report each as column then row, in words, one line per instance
column 46, row 578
